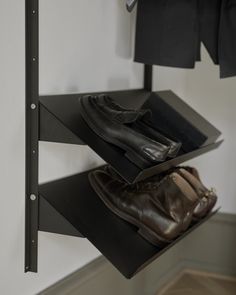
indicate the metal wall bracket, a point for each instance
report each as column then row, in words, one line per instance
column 32, row 115
column 32, row 133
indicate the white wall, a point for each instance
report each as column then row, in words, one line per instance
column 66, row 46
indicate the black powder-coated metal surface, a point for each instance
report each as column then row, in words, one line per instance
column 53, row 130
column 31, row 134
column 177, row 118
column 176, row 161
column 116, row 239
column 50, row 220
column 66, row 110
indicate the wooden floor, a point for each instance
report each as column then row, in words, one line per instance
column 197, row 283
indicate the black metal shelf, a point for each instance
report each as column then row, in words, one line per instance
column 60, row 121
column 75, row 209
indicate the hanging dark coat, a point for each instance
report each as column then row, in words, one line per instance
column 227, row 39
column 169, row 33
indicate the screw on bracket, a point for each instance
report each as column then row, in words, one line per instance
column 33, row 106
column 32, row 197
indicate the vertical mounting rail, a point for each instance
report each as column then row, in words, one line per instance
column 32, row 115
column 148, row 77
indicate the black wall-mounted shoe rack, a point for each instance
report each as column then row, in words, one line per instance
column 69, row 206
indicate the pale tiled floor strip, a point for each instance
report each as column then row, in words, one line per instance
column 200, row 283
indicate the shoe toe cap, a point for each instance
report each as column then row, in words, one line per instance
column 155, row 154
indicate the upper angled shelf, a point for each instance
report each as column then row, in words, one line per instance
column 60, row 121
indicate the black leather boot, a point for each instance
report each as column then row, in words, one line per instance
column 138, row 148
column 138, row 121
column 160, row 210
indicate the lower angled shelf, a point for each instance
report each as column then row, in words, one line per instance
column 82, row 212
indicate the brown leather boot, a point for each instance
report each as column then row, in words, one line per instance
column 160, row 210
column 189, row 197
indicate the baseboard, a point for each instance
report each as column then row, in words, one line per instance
column 101, row 278
column 210, row 248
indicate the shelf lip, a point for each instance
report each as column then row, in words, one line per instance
column 74, row 199
column 75, row 94
column 176, row 161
